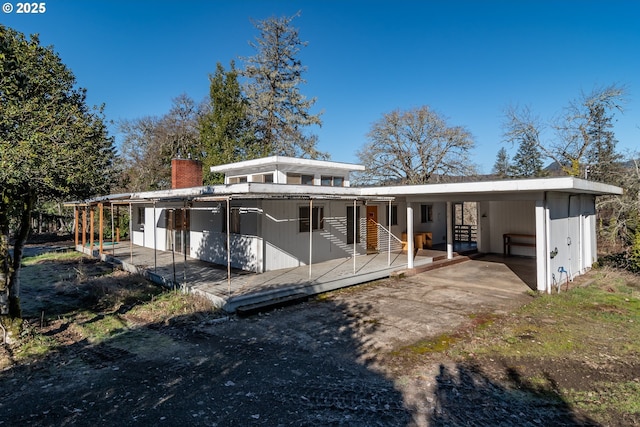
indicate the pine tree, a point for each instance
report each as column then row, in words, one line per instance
column 527, row 162
column 603, row 160
column 225, row 131
column 502, row 165
column 278, row 111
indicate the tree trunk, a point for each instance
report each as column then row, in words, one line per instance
column 5, row 256
column 5, row 271
column 15, row 311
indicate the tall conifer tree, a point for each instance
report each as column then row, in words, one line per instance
column 279, row 113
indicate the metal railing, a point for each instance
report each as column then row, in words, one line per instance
column 465, row 233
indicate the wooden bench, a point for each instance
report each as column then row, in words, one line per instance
column 508, row 241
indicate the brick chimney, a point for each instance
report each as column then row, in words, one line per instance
column 186, row 173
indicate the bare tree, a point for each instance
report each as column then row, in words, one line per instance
column 150, row 143
column 521, row 127
column 415, row 147
column 574, row 141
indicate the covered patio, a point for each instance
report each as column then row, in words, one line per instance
column 245, row 289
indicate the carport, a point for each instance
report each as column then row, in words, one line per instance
column 551, row 220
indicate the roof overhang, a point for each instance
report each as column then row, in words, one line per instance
column 523, row 189
column 284, row 163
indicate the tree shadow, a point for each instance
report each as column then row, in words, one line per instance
column 465, row 395
column 269, row 369
column 308, row 364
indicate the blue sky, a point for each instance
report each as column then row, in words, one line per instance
column 467, row 60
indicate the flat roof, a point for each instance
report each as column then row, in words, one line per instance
column 287, row 162
column 480, row 190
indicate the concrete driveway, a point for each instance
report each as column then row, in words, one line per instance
column 437, row 301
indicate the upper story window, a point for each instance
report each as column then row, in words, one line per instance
column 332, row 181
column 237, row 179
column 266, row 177
column 296, row 178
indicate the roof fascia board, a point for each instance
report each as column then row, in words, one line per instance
column 283, row 163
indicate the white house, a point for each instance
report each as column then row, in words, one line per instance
column 279, row 212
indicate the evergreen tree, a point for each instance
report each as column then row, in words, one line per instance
column 502, row 165
column 279, row 113
column 527, row 162
column 603, row 160
column 522, row 128
column 224, row 128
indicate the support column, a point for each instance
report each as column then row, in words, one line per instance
column 543, row 280
column 130, row 234
column 113, row 231
column 355, row 235
column 449, row 231
column 91, row 229
column 117, row 223
column 389, row 237
column 100, row 227
column 228, row 246
column 310, row 235
column 84, row 227
column 76, row 229
column 409, row 235
column 155, row 238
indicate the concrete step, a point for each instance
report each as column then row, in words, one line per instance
column 271, row 304
column 438, row 262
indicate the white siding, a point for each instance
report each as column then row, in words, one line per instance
column 509, row 217
column 286, row 246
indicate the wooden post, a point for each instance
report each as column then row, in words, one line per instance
column 100, row 227
column 117, row 223
column 75, row 224
column 91, row 229
column 84, row 227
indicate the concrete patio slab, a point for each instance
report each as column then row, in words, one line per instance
column 246, row 288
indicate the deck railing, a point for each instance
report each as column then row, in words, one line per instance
column 465, row 233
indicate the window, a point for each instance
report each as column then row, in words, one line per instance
column 394, row 215
column 426, row 213
column 234, row 221
column 317, row 218
column 267, row 178
column 140, row 219
column 237, row 179
column 293, row 178
column 296, row 178
column 332, row 181
column 350, row 224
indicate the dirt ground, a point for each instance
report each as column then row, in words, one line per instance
column 328, row 361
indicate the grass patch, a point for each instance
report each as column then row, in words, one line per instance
column 582, row 346
column 52, row 257
column 89, row 300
